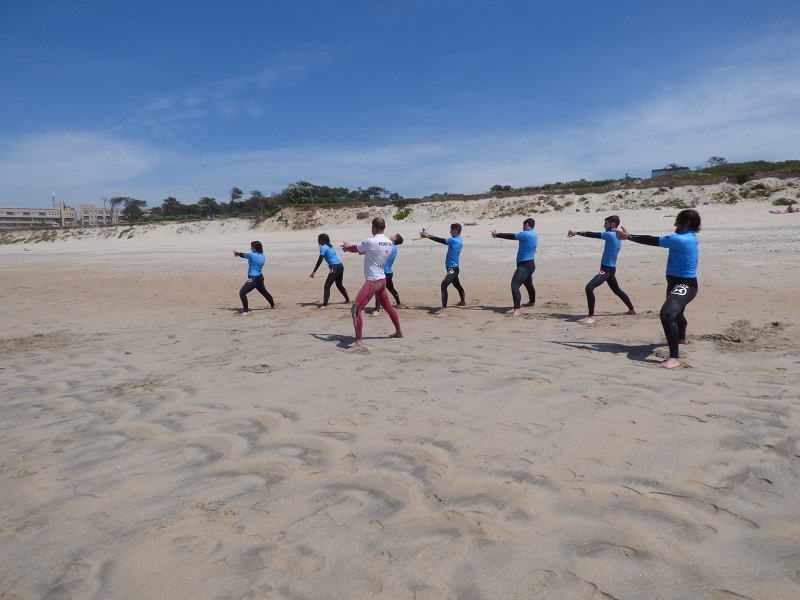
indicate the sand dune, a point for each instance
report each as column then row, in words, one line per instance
column 156, row 445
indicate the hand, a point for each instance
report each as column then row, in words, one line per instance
column 425, row 234
column 622, row 233
column 494, row 233
column 571, row 233
column 312, row 275
column 235, row 253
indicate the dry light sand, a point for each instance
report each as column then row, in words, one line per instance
column 157, row 445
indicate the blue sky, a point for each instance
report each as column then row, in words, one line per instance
column 188, row 99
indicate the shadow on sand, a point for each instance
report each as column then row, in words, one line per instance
column 641, row 353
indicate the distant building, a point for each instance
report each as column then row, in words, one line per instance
column 92, row 216
column 668, row 171
column 18, row 218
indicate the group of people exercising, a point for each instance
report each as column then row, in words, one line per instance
column 379, row 252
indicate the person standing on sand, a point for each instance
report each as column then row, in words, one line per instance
column 335, row 269
column 397, row 239
column 682, row 284
column 255, row 280
column 376, row 251
column 526, row 264
column 608, row 265
column 451, row 261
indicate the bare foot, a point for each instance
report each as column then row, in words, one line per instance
column 670, row 363
column 397, row 334
column 273, row 306
column 683, row 341
column 630, row 312
column 440, row 313
column 588, row 320
column 375, row 313
column 245, row 313
column 515, row 312
column 462, row 303
column 357, row 347
column 323, row 306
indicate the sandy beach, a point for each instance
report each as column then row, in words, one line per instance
column 158, row 445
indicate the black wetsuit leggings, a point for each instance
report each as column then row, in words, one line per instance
column 680, row 292
column 254, row 283
column 390, row 289
column 335, row 275
column 451, row 277
column 606, row 275
column 523, row 276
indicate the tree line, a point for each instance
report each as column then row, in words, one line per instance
column 256, row 205
column 260, row 206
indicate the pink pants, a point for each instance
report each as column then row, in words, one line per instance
column 365, row 294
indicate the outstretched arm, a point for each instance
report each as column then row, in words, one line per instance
column 433, row 238
column 590, row 234
column 349, row 247
column 648, row 240
column 502, row 236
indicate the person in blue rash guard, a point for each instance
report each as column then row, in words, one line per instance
column 335, row 269
column 451, row 262
column 608, row 265
column 397, row 239
column 682, row 284
column 255, row 280
column 526, row 252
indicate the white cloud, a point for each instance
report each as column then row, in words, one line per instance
column 227, row 98
column 740, row 112
column 69, row 164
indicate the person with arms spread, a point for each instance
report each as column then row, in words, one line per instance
column 526, row 265
column 255, row 280
column 376, row 251
column 451, row 261
column 608, row 265
column 682, row 284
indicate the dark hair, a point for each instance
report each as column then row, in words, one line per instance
column 323, row 239
column 690, row 218
column 398, row 239
column 614, row 219
column 530, row 222
column 378, row 223
column 456, row 226
column 257, row 247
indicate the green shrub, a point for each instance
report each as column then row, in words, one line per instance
column 402, row 214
